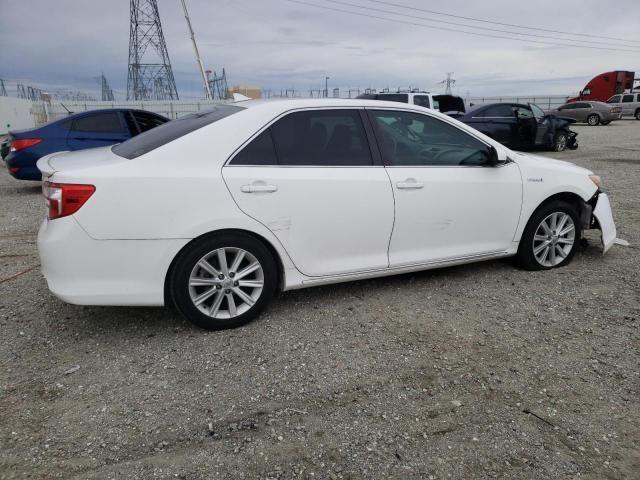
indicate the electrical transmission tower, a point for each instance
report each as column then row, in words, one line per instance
column 107, row 93
column 218, row 85
column 448, row 83
column 150, row 75
column 21, row 91
column 3, row 90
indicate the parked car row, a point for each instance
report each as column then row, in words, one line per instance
column 280, row 195
column 515, row 125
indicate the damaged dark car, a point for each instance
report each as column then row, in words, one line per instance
column 522, row 127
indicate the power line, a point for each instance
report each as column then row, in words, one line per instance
column 539, row 42
column 424, row 10
column 437, row 21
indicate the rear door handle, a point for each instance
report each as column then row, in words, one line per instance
column 258, row 188
column 409, row 184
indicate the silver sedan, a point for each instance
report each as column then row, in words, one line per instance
column 592, row 113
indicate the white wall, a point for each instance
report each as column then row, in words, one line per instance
column 17, row 113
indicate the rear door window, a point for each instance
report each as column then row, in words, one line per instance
column 321, row 138
column 106, row 122
column 159, row 136
column 627, row 98
column 318, row 138
column 259, row 151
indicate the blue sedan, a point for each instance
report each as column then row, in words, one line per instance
column 96, row 128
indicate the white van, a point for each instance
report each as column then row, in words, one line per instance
column 441, row 103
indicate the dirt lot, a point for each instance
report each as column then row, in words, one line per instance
column 479, row 371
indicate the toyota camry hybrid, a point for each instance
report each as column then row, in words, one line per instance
column 216, row 212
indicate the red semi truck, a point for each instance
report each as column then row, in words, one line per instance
column 602, row 87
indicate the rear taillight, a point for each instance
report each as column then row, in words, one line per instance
column 22, row 143
column 65, row 198
column 616, row 110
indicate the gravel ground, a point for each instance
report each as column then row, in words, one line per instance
column 478, row 371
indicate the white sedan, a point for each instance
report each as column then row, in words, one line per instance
column 217, row 211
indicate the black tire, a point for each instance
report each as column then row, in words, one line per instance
column 181, row 291
column 526, row 257
column 560, row 141
column 593, row 119
column 637, row 114
column 605, row 123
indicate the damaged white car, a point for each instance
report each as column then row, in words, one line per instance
column 217, row 211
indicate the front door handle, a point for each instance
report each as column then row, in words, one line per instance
column 409, row 184
column 258, row 188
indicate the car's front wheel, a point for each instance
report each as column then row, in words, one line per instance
column 223, row 281
column 551, row 237
column 637, row 114
column 560, row 141
column 593, row 119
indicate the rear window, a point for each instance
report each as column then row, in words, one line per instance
column 393, row 97
column 163, row 134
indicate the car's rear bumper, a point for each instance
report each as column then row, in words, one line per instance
column 25, row 173
column 84, row 271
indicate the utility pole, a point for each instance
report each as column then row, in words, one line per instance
column 207, row 90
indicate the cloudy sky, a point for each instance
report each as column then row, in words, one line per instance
column 291, row 44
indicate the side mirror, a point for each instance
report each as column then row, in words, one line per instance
column 492, row 156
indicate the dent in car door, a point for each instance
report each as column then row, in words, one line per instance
column 311, row 180
column 448, row 204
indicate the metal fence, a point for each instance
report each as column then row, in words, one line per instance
column 546, row 102
column 171, row 110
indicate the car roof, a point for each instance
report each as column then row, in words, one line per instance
column 279, row 105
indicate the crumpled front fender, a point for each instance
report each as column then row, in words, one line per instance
column 602, row 213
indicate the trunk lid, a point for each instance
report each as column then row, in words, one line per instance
column 78, row 161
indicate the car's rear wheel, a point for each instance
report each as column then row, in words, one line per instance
column 551, row 237
column 223, row 281
column 560, row 141
column 637, row 114
column 593, row 119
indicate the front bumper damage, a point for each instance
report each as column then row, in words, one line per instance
column 597, row 215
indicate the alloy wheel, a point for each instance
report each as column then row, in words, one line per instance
column 561, row 142
column 226, row 282
column 554, row 239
